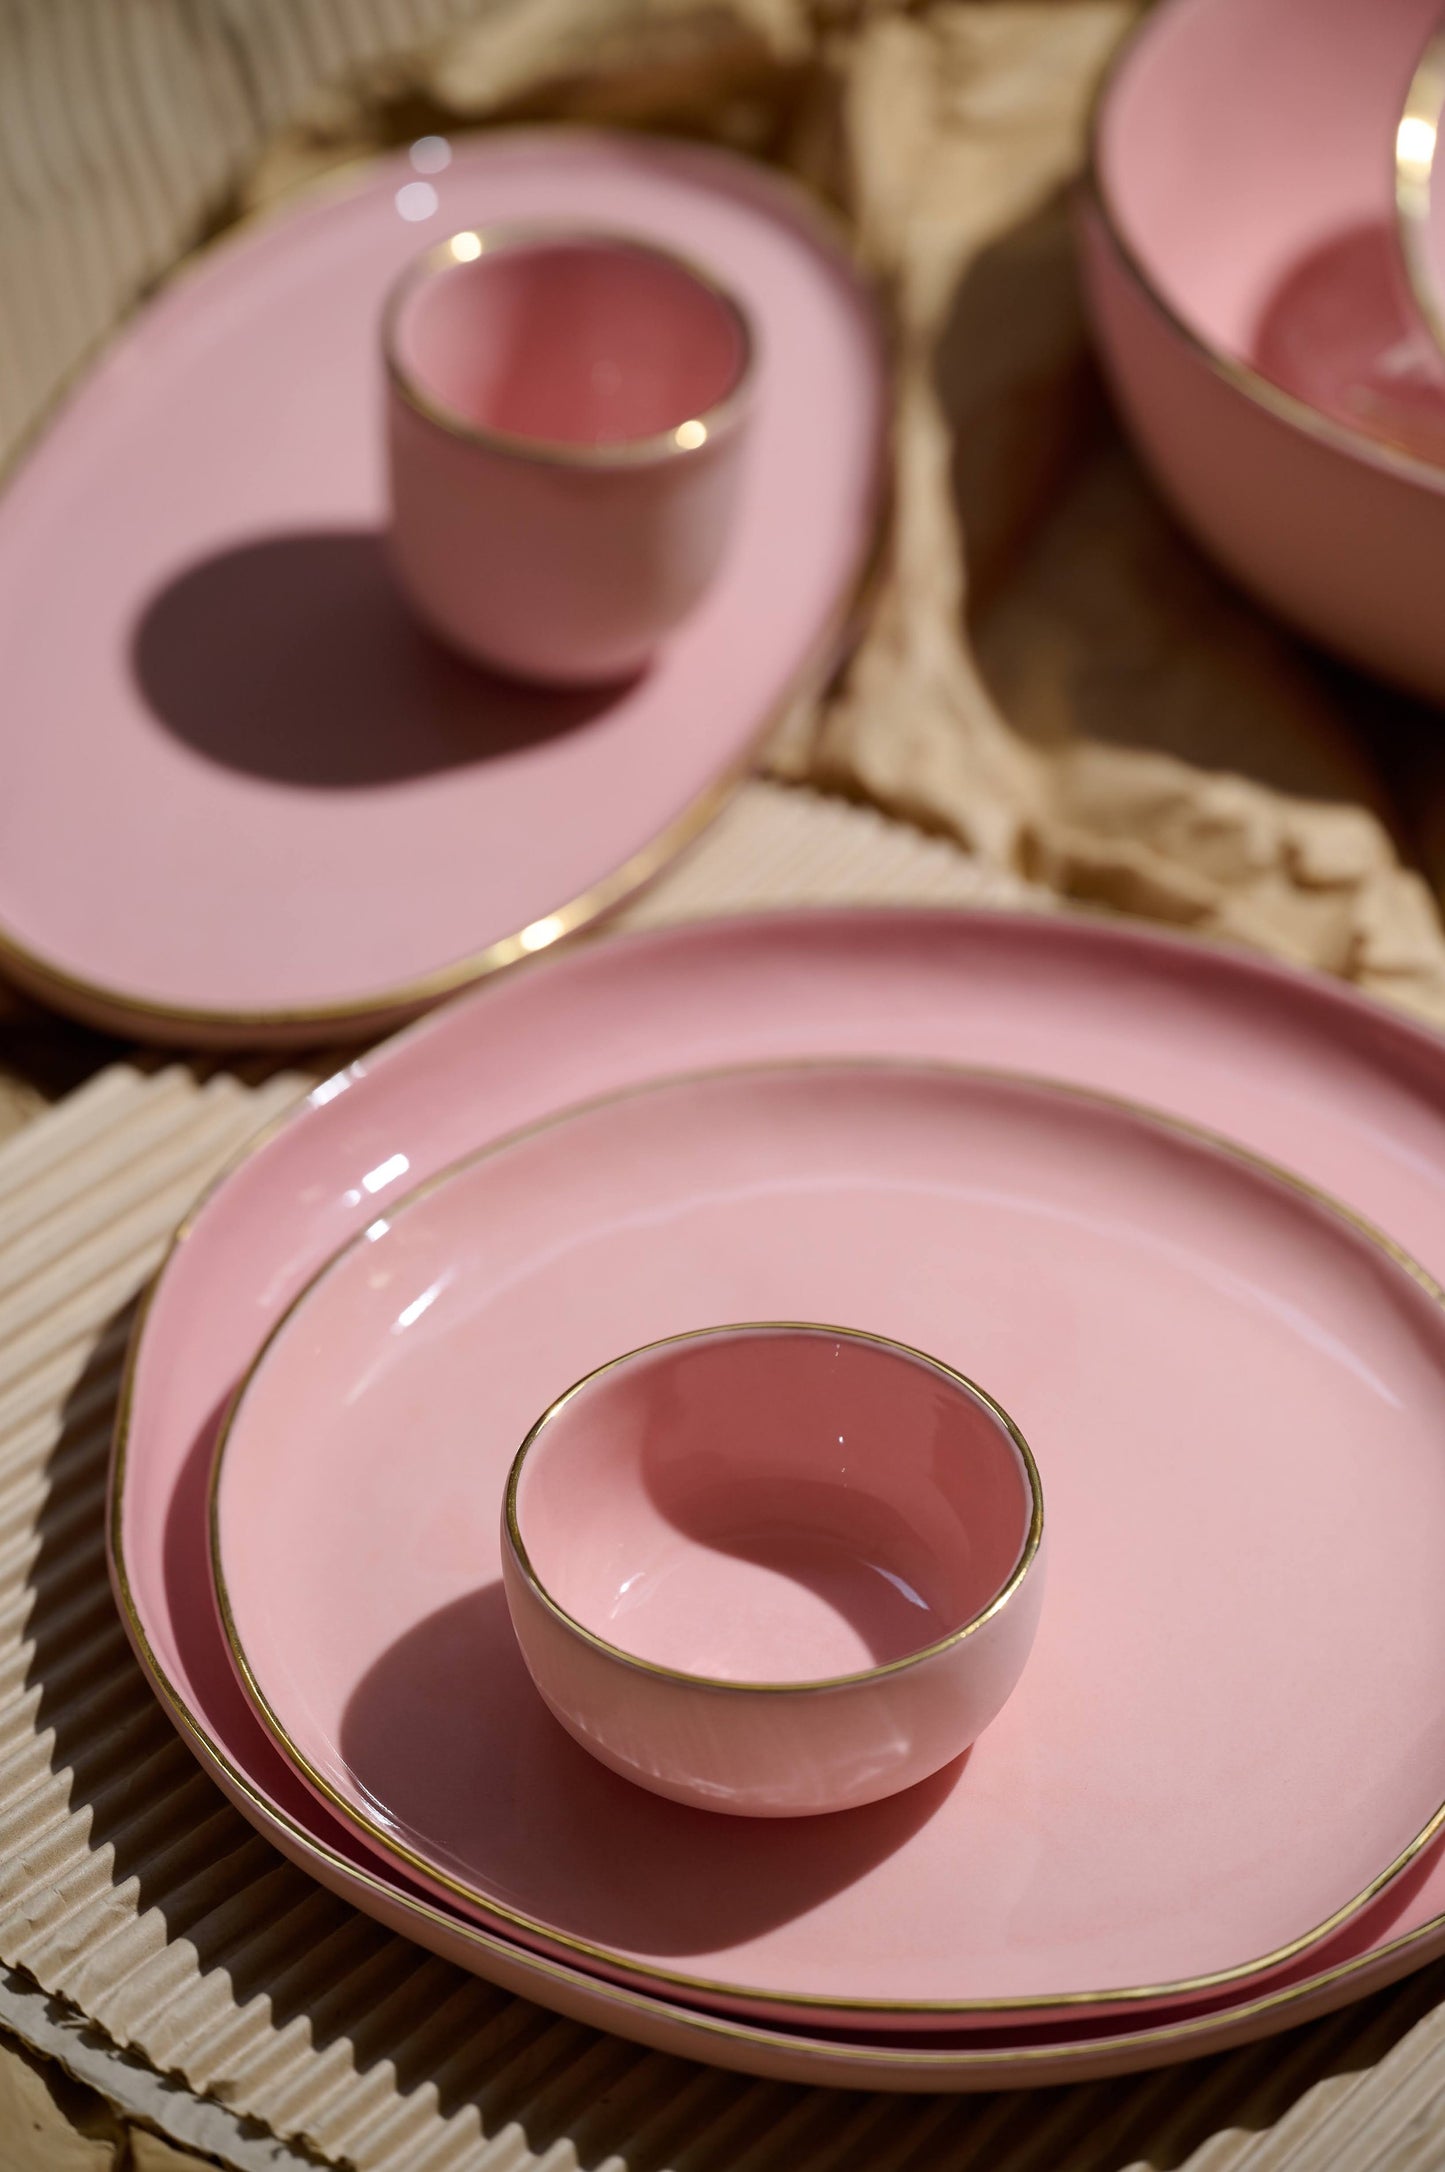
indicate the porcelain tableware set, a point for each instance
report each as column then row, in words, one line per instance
column 855, row 1495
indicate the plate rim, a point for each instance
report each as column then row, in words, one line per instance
column 1096, row 929
column 109, row 1005
column 747, row 1999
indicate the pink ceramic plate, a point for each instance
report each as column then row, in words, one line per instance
column 1299, row 1067
column 1243, row 149
column 1236, row 1397
column 217, row 712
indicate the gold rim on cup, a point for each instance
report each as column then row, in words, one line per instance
column 478, row 244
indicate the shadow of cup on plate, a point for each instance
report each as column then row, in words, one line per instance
column 293, row 658
column 448, row 1736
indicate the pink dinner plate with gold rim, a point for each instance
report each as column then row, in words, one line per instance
column 1348, row 1093
column 1237, row 1397
column 218, row 711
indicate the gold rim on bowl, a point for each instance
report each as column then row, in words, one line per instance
column 1033, row 1536
column 1259, row 390
column 112, row 1009
column 384, row 1838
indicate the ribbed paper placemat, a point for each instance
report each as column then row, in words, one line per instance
column 129, row 1887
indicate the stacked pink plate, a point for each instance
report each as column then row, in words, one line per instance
column 1208, row 1810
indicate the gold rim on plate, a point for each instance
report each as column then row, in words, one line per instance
column 814, row 2005
column 1192, row 2036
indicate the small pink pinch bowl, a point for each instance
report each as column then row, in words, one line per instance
column 566, row 422
column 774, row 1569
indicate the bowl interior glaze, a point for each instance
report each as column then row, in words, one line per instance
column 1245, row 155
column 766, row 1504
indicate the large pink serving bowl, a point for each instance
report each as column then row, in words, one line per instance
column 774, row 1569
column 1241, row 263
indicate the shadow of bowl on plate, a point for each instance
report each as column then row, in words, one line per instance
column 447, row 1737
column 293, row 658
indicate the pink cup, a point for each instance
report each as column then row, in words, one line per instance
column 566, row 419
column 774, row 1569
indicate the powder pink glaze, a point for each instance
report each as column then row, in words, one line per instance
column 1245, row 151
column 556, row 571
column 1241, row 138
column 1297, row 1066
column 237, row 777
column 1343, row 334
column 1240, row 1410
column 772, row 1505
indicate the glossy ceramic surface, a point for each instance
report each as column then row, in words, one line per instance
column 1240, row 251
column 218, row 710
column 566, row 424
column 1242, row 1397
column 1300, row 1067
column 774, row 1570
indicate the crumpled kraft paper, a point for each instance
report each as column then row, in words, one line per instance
column 1048, row 671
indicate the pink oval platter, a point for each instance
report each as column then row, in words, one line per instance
column 1296, row 1067
column 245, row 798
column 1236, row 1397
